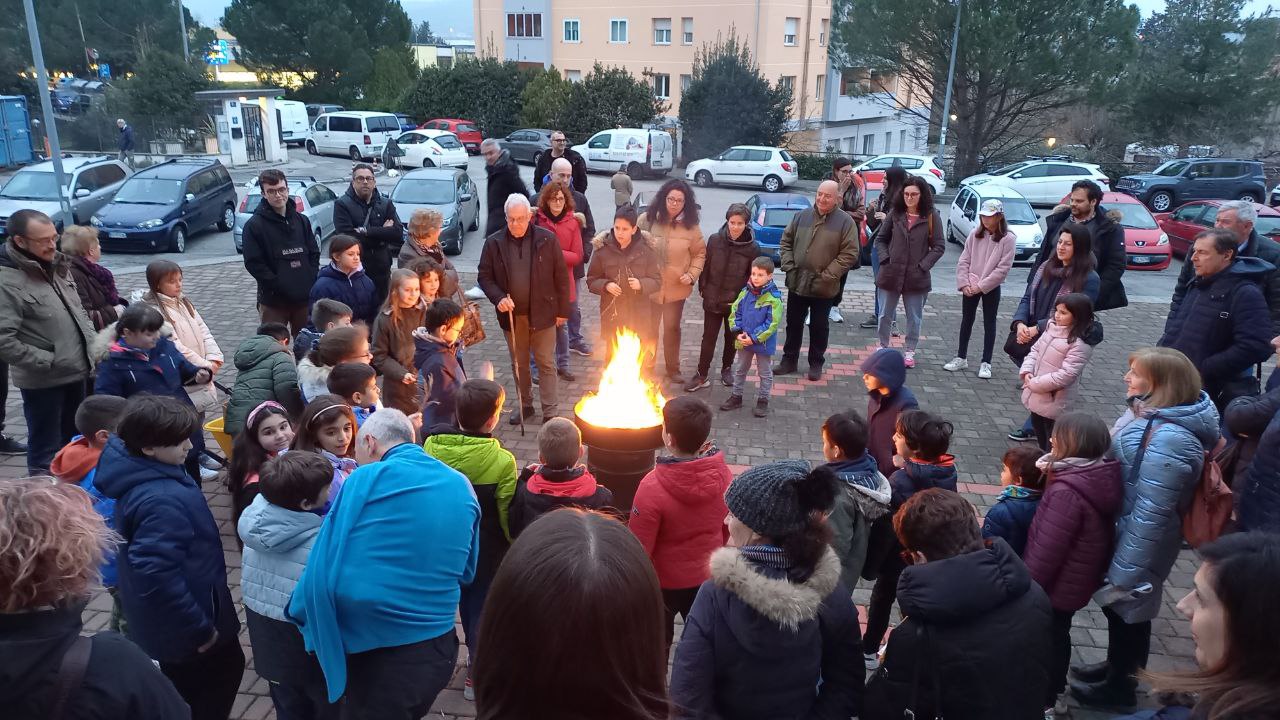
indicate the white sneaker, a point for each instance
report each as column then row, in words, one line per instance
column 909, row 358
column 984, row 371
column 835, row 316
column 806, row 318
column 475, row 293
column 207, row 474
column 955, row 364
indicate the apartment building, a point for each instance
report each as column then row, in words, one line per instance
column 869, row 112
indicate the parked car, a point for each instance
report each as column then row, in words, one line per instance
column 315, row 110
column 467, row 131
column 962, row 218
column 358, row 134
column 1042, row 182
column 641, row 152
column 527, row 145
column 310, row 197
column 1275, row 197
column 448, row 191
column 159, row 207
column 295, row 124
column 770, row 214
column 921, row 165
column 92, row 182
column 406, row 122
column 1182, row 225
column 751, row 165
column 1146, row 246
column 1179, row 181
column 431, row 148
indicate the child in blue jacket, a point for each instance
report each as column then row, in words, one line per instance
column 755, row 317
column 1023, row 482
column 437, row 355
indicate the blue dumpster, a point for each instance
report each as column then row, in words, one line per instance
column 15, row 131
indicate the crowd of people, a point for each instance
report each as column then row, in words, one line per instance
column 373, row 503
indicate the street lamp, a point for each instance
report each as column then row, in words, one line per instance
column 951, row 75
column 1051, row 141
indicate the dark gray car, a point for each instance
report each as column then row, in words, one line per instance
column 448, row 191
column 527, row 145
column 1179, row 181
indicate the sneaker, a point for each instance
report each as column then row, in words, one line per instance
column 535, row 379
column 566, row 375
column 475, row 293
column 733, row 403
column 871, row 660
column 726, row 377
column 697, row 382
column 909, row 358
column 1060, row 707
column 515, row 416
column 675, row 376
column 1049, row 714
column 984, row 371
column 1022, row 435
column 806, row 319
column 207, row 474
column 893, row 329
column 468, row 690
column 209, row 463
column 835, row 316
column 582, row 349
column 9, row 446
column 871, row 322
column 762, row 408
column 957, row 363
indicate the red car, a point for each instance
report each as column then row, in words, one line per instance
column 468, row 131
column 1182, row 225
column 1145, row 246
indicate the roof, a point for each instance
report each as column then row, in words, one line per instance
column 1263, row 210
column 232, row 94
column 995, row 190
column 784, row 199
column 68, row 163
column 756, row 147
column 452, row 120
column 432, row 173
column 177, row 169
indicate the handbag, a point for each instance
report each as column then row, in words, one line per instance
column 1016, row 351
column 472, row 327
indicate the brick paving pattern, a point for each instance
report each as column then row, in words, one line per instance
column 982, row 411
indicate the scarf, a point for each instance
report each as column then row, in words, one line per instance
column 1018, row 492
column 767, row 555
column 707, row 450
column 103, row 276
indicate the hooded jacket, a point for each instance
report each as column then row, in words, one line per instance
column 1256, row 423
column 611, row 263
column 393, row 349
column 277, row 542
column 1071, row 539
column 264, row 371
column 503, row 181
column 193, row 339
column 757, row 646
column 1108, row 249
column 1011, row 516
column 985, row 261
column 173, row 580
column 887, row 366
column 379, row 241
column 863, row 498
column 97, row 289
column 916, row 475
column 540, row 489
column 491, row 469
column 758, row 313
column 1156, row 492
column 726, row 269
column 542, row 168
column 680, row 250
column 127, row 371
column 817, row 250
column 45, row 335
column 355, row 290
column 678, row 515
column 281, row 253
column 1258, row 246
column 908, row 253
column 1055, row 364
column 440, row 370
column 119, row 680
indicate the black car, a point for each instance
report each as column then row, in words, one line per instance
column 527, row 145
column 1178, row 181
column 159, row 207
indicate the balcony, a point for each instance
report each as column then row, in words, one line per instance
column 868, row 106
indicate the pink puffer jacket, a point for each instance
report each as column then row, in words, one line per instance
column 1055, row 364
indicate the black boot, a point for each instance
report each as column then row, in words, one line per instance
column 1115, row 693
column 1092, row 672
column 733, row 403
column 515, row 416
column 762, row 408
column 786, row 367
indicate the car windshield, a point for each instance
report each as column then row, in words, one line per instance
column 779, row 217
column 31, row 185
column 424, row 192
column 1172, row 168
column 150, row 191
column 1267, row 225
column 1010, row 168
column 383, row 123
column 1133, row 215
column 1017, row 211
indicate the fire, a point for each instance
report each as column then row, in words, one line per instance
column 625, row 398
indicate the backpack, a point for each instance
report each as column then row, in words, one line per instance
column 1211, row 506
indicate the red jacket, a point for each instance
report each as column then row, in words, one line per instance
column 678, row 515
column 1072, row 536
column 569, row 232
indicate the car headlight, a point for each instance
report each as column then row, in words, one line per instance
column 1164, row 239
column 154, row 222
column 95, row 221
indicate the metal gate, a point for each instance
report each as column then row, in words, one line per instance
column 254, row 146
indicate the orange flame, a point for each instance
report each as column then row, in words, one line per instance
column 625, row 398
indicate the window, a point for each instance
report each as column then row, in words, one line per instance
column 599, row 142
column 789, row 31
column 733, row 155
column 789, row 82
column 686, row 25
column 1065, row 171
column 410, row 139
column 662, row 85
column 573, row 75
column 111, row 174
column 868, row 144
column 820, row 88
column 759, row 155
column 1188, row 213
column 343, row 123
column 662, row 31
column 970, row 206
column 322, row 123
column 1228, row 170
column 572, row 29
column 888, row 141
column 822, row 32
column 1032, row 171
column 618, row 31
column 313, row 196
column 524, row 25
column 902, row 141
column 685, row 82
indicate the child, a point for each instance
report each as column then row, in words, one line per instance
column 266, row 433
column 438, row 358
column 557, row 480
column 328, row 427
column 1070, row 542
column 1010, row 518
column 863, row 495
column 345, row 281
column 884, row 373
column 471, row 449
column 357, row 384
column 678, row 512
column 339, row 345
column 1051, row 371
column 326, row 314
column 278, row 529
column 190, row 333
column 430, row 278
column 755, row 316
column 264, row 371
column 401, row 314
column 921, row 442
column 173, row 580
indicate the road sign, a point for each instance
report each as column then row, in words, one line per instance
column 219, row 53
column 104, row 71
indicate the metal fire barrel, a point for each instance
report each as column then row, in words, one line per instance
column 620, row 457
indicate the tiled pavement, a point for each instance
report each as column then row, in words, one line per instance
column 982, row 411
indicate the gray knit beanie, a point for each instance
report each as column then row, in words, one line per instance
column 764, row 498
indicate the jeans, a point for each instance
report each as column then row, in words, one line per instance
column 1128, row 644
column 1043, row 428
column 294, row 702
column 521, row 341
column 743, row 366
column 883, row 595
column 715, row 325
column 875, row 270
column 295, row 316
column 676, row 602
column 913, row 306
column 399, row 683
column 209, row 681
column 969, row 312
column 818, row 310
column 51, row 421
column 1060, row 661
column 666, row 324
column 469, row 606
column 575, row 318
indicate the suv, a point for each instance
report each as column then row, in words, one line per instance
column 468, row 131
column 93, row 182
column 161, row 205
column 1178, row 181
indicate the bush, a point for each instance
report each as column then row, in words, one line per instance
column 814, row 166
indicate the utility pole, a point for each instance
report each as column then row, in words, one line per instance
column 50, row 124
column 182, row 23
column 951, row 76
column 84, row 44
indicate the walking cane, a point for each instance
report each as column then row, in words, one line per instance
column 515, row 366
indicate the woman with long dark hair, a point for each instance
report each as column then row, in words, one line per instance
column 983, row 265
column 909, row 243
column 572, row 627
column 625, row 272
column 672, row 221
column 879, row 209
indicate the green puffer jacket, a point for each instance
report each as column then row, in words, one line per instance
column 490, row 467
column 264, row 371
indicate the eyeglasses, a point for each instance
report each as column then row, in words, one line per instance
column 845, row 171
column 363, row 179
column 559, row 140
column 276, row 192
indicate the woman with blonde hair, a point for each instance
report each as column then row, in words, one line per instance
column 94, row 283
column 423, row 240
column 52, row 543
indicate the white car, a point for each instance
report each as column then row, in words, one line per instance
column 1275, row 197
column 919, row 165
column 752, row 165
column 1042, row 182
column 431, row 148
column 962, row 217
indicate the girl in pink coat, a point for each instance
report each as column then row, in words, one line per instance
column 1052, row 370
column 983, row 265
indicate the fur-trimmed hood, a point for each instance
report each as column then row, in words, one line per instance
column 102, row 341
column 607, row 236
column 768, row 592
column 313, row 380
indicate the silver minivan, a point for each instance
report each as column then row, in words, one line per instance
column 358, row 134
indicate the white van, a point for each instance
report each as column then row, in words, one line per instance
column 295, row 126
column 640, row 152
column 358, row 134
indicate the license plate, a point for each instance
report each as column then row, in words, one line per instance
column 116, row 235
column 1142, row 259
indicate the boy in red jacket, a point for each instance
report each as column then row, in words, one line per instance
column 557, row 480
column 679, row 511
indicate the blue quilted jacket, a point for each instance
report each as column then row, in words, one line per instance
column 277, row 542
